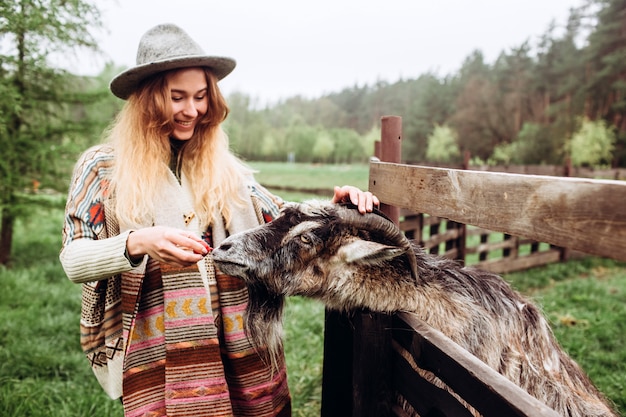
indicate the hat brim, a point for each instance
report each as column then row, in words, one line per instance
column 127, row 81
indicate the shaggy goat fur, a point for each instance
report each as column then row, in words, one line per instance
column 350, row 261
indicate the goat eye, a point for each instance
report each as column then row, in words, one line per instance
column 305, row 239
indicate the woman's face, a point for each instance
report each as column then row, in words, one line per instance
column 188, row 99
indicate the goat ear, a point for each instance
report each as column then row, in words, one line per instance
column 367, row 252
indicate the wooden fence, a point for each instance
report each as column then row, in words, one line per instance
column 370, row 358
column 486, row 249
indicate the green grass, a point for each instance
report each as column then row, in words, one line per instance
column 304, row 346
column 315, row 176
column 43, row 371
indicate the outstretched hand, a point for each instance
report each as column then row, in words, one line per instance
column 364, row 200
column 167, row 244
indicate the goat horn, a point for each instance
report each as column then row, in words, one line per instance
column 382, row 225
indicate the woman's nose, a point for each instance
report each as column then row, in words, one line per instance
column 190, row 108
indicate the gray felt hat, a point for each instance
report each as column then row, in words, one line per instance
column 166, row 47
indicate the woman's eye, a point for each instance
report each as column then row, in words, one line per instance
column 200, row 98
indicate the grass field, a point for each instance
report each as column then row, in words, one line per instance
column 43, row 372
column 311, row 176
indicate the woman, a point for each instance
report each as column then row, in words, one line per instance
column 162, row 328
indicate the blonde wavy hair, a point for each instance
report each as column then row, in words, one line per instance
column 140, row 138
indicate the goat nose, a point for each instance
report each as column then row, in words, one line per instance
column 225, row 247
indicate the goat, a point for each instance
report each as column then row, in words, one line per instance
column 352, row 261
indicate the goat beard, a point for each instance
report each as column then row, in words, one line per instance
column 264, row 324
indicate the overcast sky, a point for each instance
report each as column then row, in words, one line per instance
column 289, row 47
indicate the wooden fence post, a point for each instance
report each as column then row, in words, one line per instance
column 372, row 362
column 391, row 151
column 357, row 349
column 337, row 367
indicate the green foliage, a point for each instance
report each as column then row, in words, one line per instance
column 40, row 113
column 304, row 352
column 323, row 148
column 348, row 146
column 42, row 367
column 369, row 141
column 592, row 145
column 532, row 146
column 252, row 137
column 442, row 145
column 606, row 64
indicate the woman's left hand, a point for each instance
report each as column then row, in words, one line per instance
column 364, row 200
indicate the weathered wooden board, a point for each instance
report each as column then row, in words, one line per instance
column 423, row 396
column 581, row 214
column 488, row 391
column 506, row 265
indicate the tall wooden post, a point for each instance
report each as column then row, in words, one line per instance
column 357, row 347
column 391, row 151
column 372, row 362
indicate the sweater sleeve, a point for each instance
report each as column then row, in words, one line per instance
column 86, row 260
column 87, row 253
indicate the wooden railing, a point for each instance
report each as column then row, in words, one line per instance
column 580, row 214
column 486, row 249
column 370, row 358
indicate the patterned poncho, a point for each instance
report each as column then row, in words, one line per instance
column 169, row 340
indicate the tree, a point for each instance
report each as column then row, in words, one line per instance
column 245, row 126
column 348, row 147
column 606, row 84
column 323, row 149
column 475, row 119
column 592, row 145
column 35, row 112
column 429, row 101
column 532, row 146
column 369, row 141
column 442, row 145
column 302, row 138
column 559, row 80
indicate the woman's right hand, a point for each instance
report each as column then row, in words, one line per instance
column 167, row 244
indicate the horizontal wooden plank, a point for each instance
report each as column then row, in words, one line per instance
column 478, row 231
column 433, row 221
column 492, row 246
column 412, row 223
column 450, row 253
column 488, row 391
column 425, row 398
column 439, row 238
column 582, row 214
column 506, row 265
